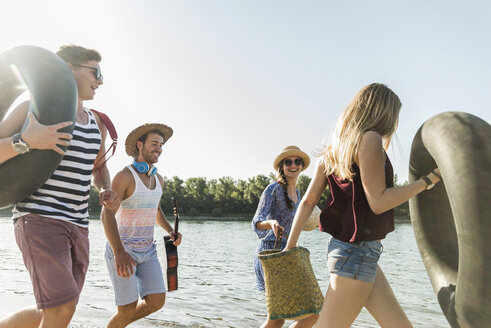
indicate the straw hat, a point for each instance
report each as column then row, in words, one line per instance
column 137, row 133
column 291, row 151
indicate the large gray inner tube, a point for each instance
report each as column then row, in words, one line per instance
column 53, row 99
column 452, row 221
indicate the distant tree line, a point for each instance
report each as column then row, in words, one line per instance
column 224, row 196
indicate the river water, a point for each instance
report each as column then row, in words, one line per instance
column 216, row 278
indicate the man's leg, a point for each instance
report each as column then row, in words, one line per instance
column 59, row 316
column 147, row 280
column 46, row 246
column 131, row 312
column 150, row 304
column 123, row 316
column 151, row 284
column 29, row 317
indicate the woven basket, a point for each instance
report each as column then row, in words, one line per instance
column 292, row 291
column 313, row 220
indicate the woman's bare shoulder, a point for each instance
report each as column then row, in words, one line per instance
column 370, row 145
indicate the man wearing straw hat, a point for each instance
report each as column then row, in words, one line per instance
column 131, row 254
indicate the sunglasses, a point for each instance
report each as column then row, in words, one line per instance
column 297, row 161
column 95, row 70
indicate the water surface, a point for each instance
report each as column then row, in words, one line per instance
column 216, row 278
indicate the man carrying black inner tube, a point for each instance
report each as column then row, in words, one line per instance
column 51, row 224
column 35, row 136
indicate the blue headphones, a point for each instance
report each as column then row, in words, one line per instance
column 144, row 168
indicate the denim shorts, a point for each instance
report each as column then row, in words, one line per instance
column 147, row 277
column 354, row 260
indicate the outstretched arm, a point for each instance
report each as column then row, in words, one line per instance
column 371, row 160
column 124, row 262
column 102, row 178
column 307, row 204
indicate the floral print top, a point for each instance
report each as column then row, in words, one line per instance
column 272, row 206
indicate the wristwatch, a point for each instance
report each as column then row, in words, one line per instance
column 428, row 182
column 19, row 145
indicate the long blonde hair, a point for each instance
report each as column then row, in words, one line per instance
column 374, row 108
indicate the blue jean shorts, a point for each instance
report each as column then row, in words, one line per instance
column 354, row 260
column 147, row 277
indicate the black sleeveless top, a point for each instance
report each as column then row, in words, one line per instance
column 347, row 215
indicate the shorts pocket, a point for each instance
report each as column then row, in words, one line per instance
column 108, row 252
column 372, row 255
column 336, row 258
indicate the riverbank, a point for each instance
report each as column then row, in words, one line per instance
column 199, row 218
column 7, row 212
column 397, row 219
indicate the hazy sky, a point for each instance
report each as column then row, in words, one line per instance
column 240, row 80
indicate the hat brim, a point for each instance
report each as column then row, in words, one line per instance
column 136, row 134
column 292, row 153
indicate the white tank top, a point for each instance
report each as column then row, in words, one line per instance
column 137, row 214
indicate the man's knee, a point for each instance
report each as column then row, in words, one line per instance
column 128, row 310
column 155, row 302
column 62, row 312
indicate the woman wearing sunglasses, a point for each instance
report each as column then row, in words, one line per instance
column 275, row 212
column 358, row 213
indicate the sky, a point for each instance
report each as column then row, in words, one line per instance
column 240, row 80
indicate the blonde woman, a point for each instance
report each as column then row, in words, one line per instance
column 358, row 213
column 274, row 214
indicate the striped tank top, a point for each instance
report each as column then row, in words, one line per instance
column 137, row 214
column 64, row 196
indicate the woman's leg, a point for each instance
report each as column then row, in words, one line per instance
column 383, row 305
column 273, row 323
column 344, row 300
column 305, row 322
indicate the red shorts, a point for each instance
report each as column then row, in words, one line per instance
column 56, row 254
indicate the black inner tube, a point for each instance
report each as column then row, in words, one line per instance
column 53, row 94
column 452, row 221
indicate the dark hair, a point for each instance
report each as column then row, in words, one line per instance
column 284, row 183
column 78, row 55
column 144, row 137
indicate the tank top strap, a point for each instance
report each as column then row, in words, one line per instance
column 157, row 184
column 140, row 183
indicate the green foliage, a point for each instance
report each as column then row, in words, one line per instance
column 303, row 184
column 6, row 212
column 193, row 212
column 217, row 212
column 215, row 197
column 94, row 207
column 225, row 196
column 401, row 212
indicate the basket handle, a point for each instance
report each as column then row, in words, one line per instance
column 279, row 236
